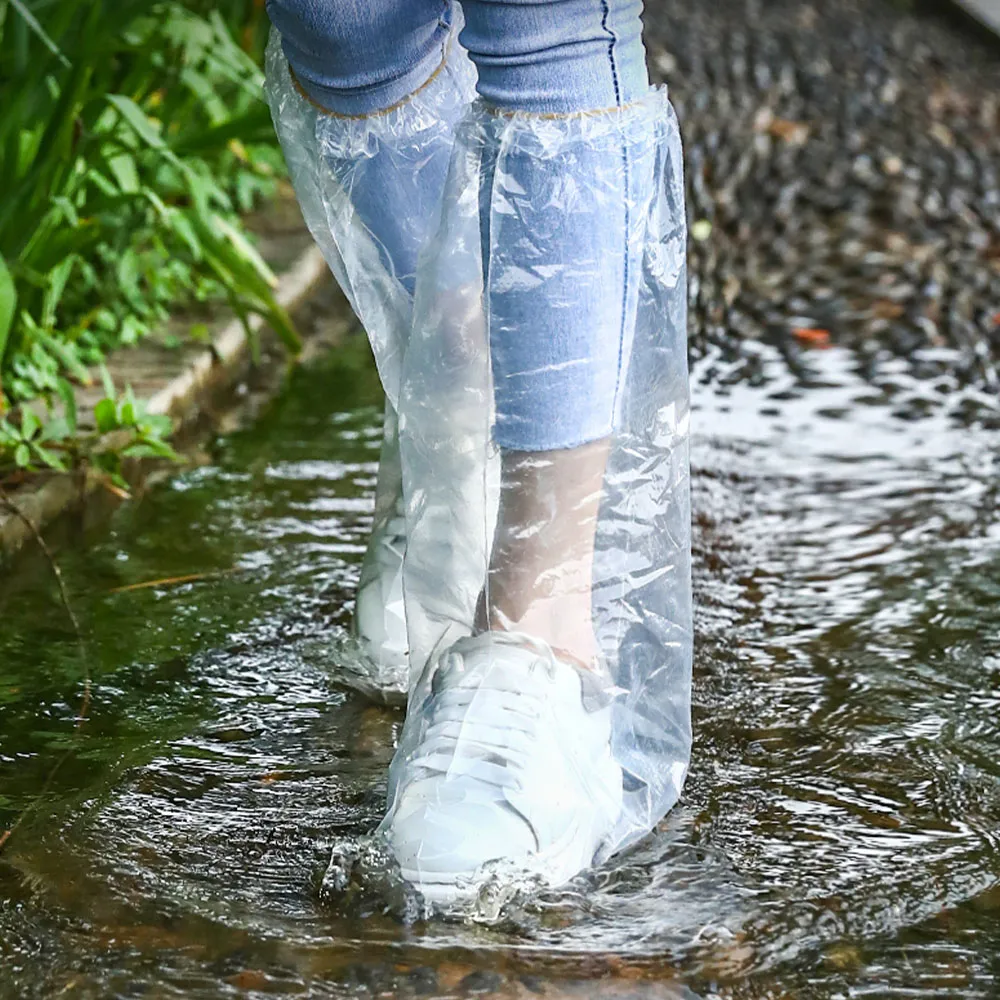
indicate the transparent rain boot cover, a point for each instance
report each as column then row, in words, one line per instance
column 492, row 238
column 349, row 175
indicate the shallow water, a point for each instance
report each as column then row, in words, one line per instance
column 840, row 831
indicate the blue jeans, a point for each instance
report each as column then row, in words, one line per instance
column 556, row 345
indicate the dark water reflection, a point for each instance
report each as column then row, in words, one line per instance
column 840, row 833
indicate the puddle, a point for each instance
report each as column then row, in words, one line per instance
column 840, row 831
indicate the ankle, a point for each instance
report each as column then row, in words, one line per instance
column 563, row 622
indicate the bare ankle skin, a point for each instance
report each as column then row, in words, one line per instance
column 541, row 566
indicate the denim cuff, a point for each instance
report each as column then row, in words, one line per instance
column 363, row 102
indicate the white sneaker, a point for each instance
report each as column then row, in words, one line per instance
column 511, row 761
column 379, row 614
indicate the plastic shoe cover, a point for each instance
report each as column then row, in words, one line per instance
column 380, row 624
column 334, row 162
column 641, row 590
column 513, row 761
column 379, row 614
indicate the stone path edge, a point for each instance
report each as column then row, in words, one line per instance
column 184, row 398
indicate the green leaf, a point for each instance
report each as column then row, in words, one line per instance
column 22, row 456
column 68, row 397
column 68, row 209
column 106, row 416
column 8, row 304
column 138, row 119
column 156, row 425
column 202, row 87
column 66, row 353
column 102, row 183
column 30, row 424
column 32, row 22
column 126, row 411
column 49, row 458
column 133, row 328
column 129, row 278
column 246, row 250
column 151, row 449
column 58, row 277
column 253, row 126
column 107, row 382
column 155, row 200
column 55, row 430
column 204, row 192
column 125, row 173
column 181, row 225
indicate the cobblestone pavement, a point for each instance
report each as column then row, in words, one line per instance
column 844, row 187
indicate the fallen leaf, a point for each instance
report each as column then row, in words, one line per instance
column 813, row 336
column 170, row 581
column 843, row 957
column 794, row 133
column 251, row 979
column 451, row 974
column 116, row 490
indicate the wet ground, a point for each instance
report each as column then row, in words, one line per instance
column 840, row 831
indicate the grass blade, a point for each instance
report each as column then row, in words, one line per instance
column 8, row 305
column 138, row 119
column 32, row 22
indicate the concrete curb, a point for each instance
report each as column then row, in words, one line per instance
column 231, row 347
column 184, row 398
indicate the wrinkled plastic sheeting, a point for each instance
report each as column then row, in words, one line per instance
column 642, row 590
column 335, row 161
column 435, row 363
column 338, row 166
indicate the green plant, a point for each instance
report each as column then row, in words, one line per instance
column 123, row 429
column 131, row 137
column 29, row 444
column 126, row 429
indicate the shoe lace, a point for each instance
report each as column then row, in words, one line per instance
column 479, row 729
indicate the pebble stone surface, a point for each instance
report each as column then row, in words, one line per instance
column 843, row 172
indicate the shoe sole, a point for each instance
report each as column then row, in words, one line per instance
column 459, row 887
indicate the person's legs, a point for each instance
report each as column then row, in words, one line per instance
column 556, row 224
column 359, row 57
column 365, row 96
column 556, row 348
column 518, row 325
column 558, row 342
column 557, row 57
column 360, row 61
